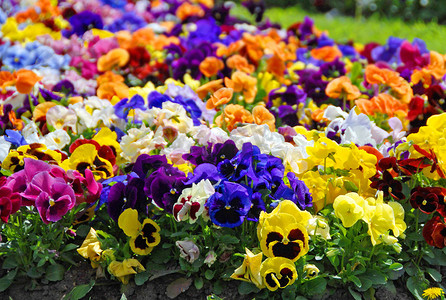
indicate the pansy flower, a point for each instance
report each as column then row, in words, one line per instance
column 123, row 196
column 282, row 232
column 164, row 186
column 249, row 271
column 428, row 199
column 123, row 270
column 230, row 204
column 190, row 205
column 86, row 156
column 10, row 203
column 56, row 197
column 143, row 237
column 278, row 272
column 434, row 232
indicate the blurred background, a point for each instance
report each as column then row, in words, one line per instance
column 360, row 21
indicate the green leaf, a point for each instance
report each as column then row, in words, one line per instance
column 69, row 247
column 434, row 274
column 350, row 186
column 198, row 283
column 209, row 274
column 141, row 278
column 396, row 266
column 80, row 291
column 355, row 280
column 218, row 287
column 411, row 269
column 41, row 262
column 246, row 288
column 316, row 286
column 9, row 263
column 228, row 239
column 414, row 236
column 34, row 273
column 416, row 287
column 374, row 276
column 355, row 295
column 55, row 272
column 6, row 280
column 438, row 260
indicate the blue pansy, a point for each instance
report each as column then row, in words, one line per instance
column 15, row 138
column 229, row 205
column 128, row 21
column 16, row 57
column 82, row 22
column 156, row 99
column 389, row 52
column 123, row 107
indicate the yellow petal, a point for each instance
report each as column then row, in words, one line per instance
column 128, row 222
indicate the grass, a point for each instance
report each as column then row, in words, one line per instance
column 343, row 29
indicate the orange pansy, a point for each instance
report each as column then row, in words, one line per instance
column 233, row 114
column 242, row 82
column 117, row 57
column 342, row 87
column 327, row 53
column 240, row 63
column 210, row 66
column 220, row 97
column 261, row 115
column 109, row 89
column 25, row 81
column 210, row 87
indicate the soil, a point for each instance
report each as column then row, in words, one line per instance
column 156, row 289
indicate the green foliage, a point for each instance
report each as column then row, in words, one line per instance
column 35, row 250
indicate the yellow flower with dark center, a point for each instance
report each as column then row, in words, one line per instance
column 282, row 236
column 283, row 233
column 143, row 237
column 250, row 269
column 123, row 270
column 278, row 272
column 310, row 271
column 433, row 293
column 14, row 161
column 86, row 157
column 106, row 137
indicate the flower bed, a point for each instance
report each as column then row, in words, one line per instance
column 168, row 137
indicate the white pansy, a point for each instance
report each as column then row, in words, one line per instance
column 57, row 139
column 181, row 145
column 139, row 141
column 4, row 148
column 31, row 133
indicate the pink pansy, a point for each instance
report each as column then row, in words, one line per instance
column 55, row 199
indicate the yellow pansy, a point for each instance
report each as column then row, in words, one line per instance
column 91, row 248
column 143, row 237
column 381, row 221
column 106, row 137
column 283, row 233
column 278, row 272
column 250, row 269
column 142, row 91
column 123, row 270
column 349, row 208
column 86, row 157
